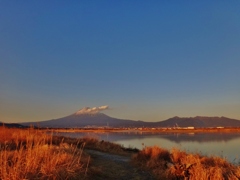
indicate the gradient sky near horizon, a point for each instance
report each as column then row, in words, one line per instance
column 147, row 60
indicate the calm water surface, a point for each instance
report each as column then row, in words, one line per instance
column 226, row 145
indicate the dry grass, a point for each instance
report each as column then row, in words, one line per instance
column 176, row 164
column 30, row 154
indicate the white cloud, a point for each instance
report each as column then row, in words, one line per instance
column 88, row 110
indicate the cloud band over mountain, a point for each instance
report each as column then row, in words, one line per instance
column 88, row 110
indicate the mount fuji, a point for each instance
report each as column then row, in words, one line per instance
column 87, row 117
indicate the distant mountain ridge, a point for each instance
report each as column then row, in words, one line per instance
column 85, row 118
column 200, row 121
column 12, row 125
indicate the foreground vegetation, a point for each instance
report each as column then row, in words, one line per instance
column 176, row 164
column 33, row 154
column 30, row 154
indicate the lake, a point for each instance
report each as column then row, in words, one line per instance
column 226, row 145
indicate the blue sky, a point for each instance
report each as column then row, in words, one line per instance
column 147, row 60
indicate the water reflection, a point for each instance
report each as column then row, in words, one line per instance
column 218, row 144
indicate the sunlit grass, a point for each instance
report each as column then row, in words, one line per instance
column 176, row 164
column 30, row 154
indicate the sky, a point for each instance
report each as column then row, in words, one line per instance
column 145, row 60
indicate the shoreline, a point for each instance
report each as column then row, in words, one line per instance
column 145, row 130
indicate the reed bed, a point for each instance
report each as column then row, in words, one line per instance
column 30, row 154
column 176, row 164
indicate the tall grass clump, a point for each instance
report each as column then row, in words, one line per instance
column 30, row 154
column 177, row 164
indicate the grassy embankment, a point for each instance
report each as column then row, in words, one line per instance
column 32, row 154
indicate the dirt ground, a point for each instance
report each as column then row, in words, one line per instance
column 109, row 166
